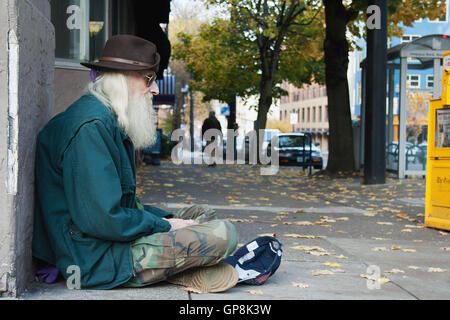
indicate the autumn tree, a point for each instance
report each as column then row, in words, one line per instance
column 271, row 41
column 417, row 115
column 342, row 16
column 185, row 17
column 221, row 65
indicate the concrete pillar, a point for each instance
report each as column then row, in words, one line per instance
column 26, row 103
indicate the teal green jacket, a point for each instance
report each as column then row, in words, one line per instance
column 86, row 210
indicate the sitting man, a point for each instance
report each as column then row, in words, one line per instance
column 87, row 214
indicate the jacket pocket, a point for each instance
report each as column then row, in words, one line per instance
column 76, row 234
column 128, row 187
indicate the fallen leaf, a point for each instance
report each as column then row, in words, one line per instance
column 341, row 256
column 300, row 285
column 369, row 214
column 318, row 253
column 168, row 185
column 321, row 272
column 402, row 215
column 332, row 264
column 394, row 271
column 299, row 211
column 414, row 226
column 385, row 223
column 431, row 269
column 380, row 249
column 258, row 292
column 406, row 230
column 445, row 248
column 339, row 270
column 268, row 235
column 342, row 219
column 307, row 248
column 413, row 267
column 294, row 235
column 384, row 280
column 240, row 220
column 381, row 280
column 444, row 233
column 409, row 250
column 375, row 238
column 395, row 248
column 254, row 217
column 303, row 223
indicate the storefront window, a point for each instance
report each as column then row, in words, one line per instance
column 81, row 29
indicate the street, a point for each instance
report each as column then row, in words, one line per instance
column 332, row 229
column 337, row 234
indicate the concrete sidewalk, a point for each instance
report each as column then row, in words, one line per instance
column 335, row 234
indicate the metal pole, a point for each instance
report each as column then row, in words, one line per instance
column 191, row 123
column 375, row 116
column 402, row 118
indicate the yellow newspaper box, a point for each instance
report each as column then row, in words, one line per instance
column 437, row 207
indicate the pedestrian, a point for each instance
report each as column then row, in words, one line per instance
column 211, row 123
column 87, row 213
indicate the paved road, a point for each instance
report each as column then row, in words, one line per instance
column 335, row 233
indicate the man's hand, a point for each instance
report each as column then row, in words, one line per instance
column 176, row 224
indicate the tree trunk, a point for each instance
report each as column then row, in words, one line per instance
column 265, row 101
column 341, row 154
column 231, row 124
column 232, row 117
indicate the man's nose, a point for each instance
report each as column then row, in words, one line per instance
column 154, row 88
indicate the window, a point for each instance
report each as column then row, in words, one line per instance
column 281, row 115
column 413, row 81
column 326, row 113
column 303, row 114
column 298, row 115
column 314, row 114
column 430, row 81
column 81, row 30
column 320, row 113
column 409, row 38
column 309, row 114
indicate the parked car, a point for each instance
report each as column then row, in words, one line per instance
column 268, row 134
column 294, row 149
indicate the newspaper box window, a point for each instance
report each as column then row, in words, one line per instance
column 437, row 208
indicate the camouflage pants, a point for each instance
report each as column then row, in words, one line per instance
column 161, row 255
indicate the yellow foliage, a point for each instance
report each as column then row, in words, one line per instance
column 282, row 125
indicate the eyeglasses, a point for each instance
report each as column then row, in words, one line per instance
column 150, row 79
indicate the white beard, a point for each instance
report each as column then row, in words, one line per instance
column 141, row 120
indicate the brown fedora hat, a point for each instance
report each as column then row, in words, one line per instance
column 127, row 52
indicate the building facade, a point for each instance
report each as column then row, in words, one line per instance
column 306, row 108
column 42, row 43
column 418, row 80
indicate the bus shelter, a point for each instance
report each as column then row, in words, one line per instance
column 414, row 71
